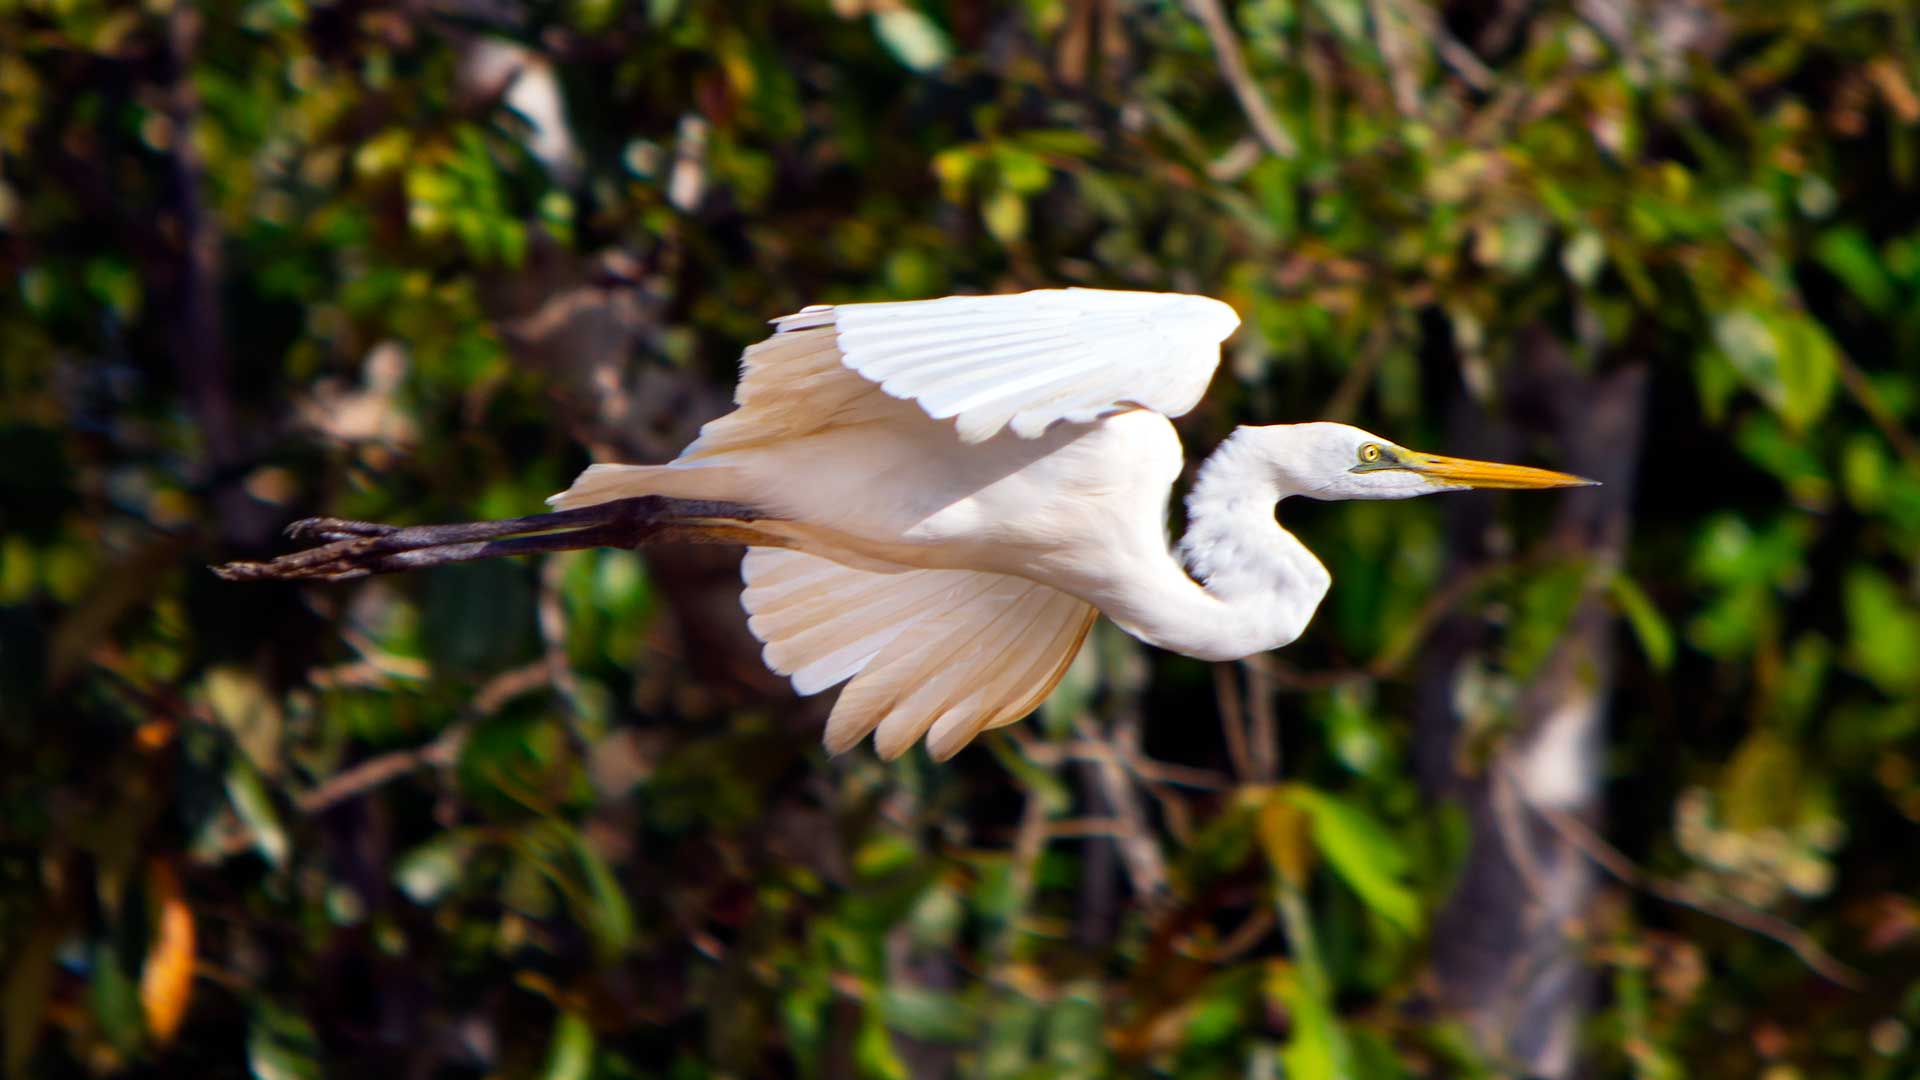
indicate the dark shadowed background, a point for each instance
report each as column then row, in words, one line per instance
column 1620, row 782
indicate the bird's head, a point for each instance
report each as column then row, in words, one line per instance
column 1338, row 461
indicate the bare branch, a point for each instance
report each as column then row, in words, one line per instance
column 1402, row 79
column 375, row 771
column 1146, row 868
column 1868, row 398
column 1263, row 727
column 1233, row 67
column 1506, row 805
column 1579, row 836
column 1233, row 722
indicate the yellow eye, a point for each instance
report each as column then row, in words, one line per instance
column 1370, row 453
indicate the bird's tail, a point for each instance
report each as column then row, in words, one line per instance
column 607, row 483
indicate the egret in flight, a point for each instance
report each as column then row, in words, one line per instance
column 946, row 493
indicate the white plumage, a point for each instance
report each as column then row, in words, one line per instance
column 948, row 492
column 1030, row 360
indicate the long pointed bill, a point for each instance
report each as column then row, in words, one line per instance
column 1488, row 474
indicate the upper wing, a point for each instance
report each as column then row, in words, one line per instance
column 1028, row 359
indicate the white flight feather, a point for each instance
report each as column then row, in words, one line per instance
column 1031, row 351
column 923, row 647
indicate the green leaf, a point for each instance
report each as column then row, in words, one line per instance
column 1848, row 255
column 883, row 855
column 1073, row 1032
column 1883, row 632
column 1349, row 17
column 1374, row 1056
column 1317, row 1048
column 928, row 1015
column 1066, row 142
column 1522, row 240
column 873, row 1050
column 1022, row 172
column 1809, row 368
column 251, row 715
column 1865, row 473
column 1005, row 213
column 1546, row 603
column 954, row 168
column 430, row 871
column 1363, row 854
column 281, row 1045
column 115, row 1001
column 604, row 909
column 1784, row 357
column 1765, row 783
column 1767, row 442
column 1583, row 257
column 1649, row 626
column 251, row 801
column 570, row 1054
column 914, row 39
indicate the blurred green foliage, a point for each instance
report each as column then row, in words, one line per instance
column 274, row 258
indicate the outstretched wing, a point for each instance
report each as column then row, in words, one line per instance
column 944, row 654
column 1026, row 360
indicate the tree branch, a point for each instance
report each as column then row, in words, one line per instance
column 354, row 549
column 1578, row 835
column 1233, row 67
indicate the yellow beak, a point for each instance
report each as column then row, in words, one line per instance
column 1487, row 474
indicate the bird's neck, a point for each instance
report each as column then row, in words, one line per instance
column 1253, row 586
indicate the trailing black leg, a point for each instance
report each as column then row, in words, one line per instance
column 352, row 549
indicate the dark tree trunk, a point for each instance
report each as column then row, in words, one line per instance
column 1502, row 955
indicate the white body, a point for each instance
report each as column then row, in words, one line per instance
column 950, row 489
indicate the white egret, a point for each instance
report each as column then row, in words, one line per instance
column 947, row 492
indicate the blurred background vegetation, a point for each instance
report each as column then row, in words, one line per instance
column 1624, row 783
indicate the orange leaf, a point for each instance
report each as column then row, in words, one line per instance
column 166, row 980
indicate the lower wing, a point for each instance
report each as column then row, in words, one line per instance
column 944, row 654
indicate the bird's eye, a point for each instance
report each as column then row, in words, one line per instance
column 1370, row 453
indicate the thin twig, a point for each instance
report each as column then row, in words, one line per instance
column 1402, row 80
column 1578, row 835
column 1405, row 643
column 508, row 685
column 1507, row 820
column 442, row 752
column 552, row 619
column 1174, row 814
column 375, row 771
column 1346, row 397
column 1263, row 730
column 1030, row 842
column 1146, row 768
column 1162, row 772
column 1453, row 52
column 1233, row 67
column 1233, row 721
column 1245, row 936
column 1146, row 868
column 1868, row 398
column 551, row 615
column 1081, row 828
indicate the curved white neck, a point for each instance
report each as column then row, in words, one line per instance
column 1253, row 585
